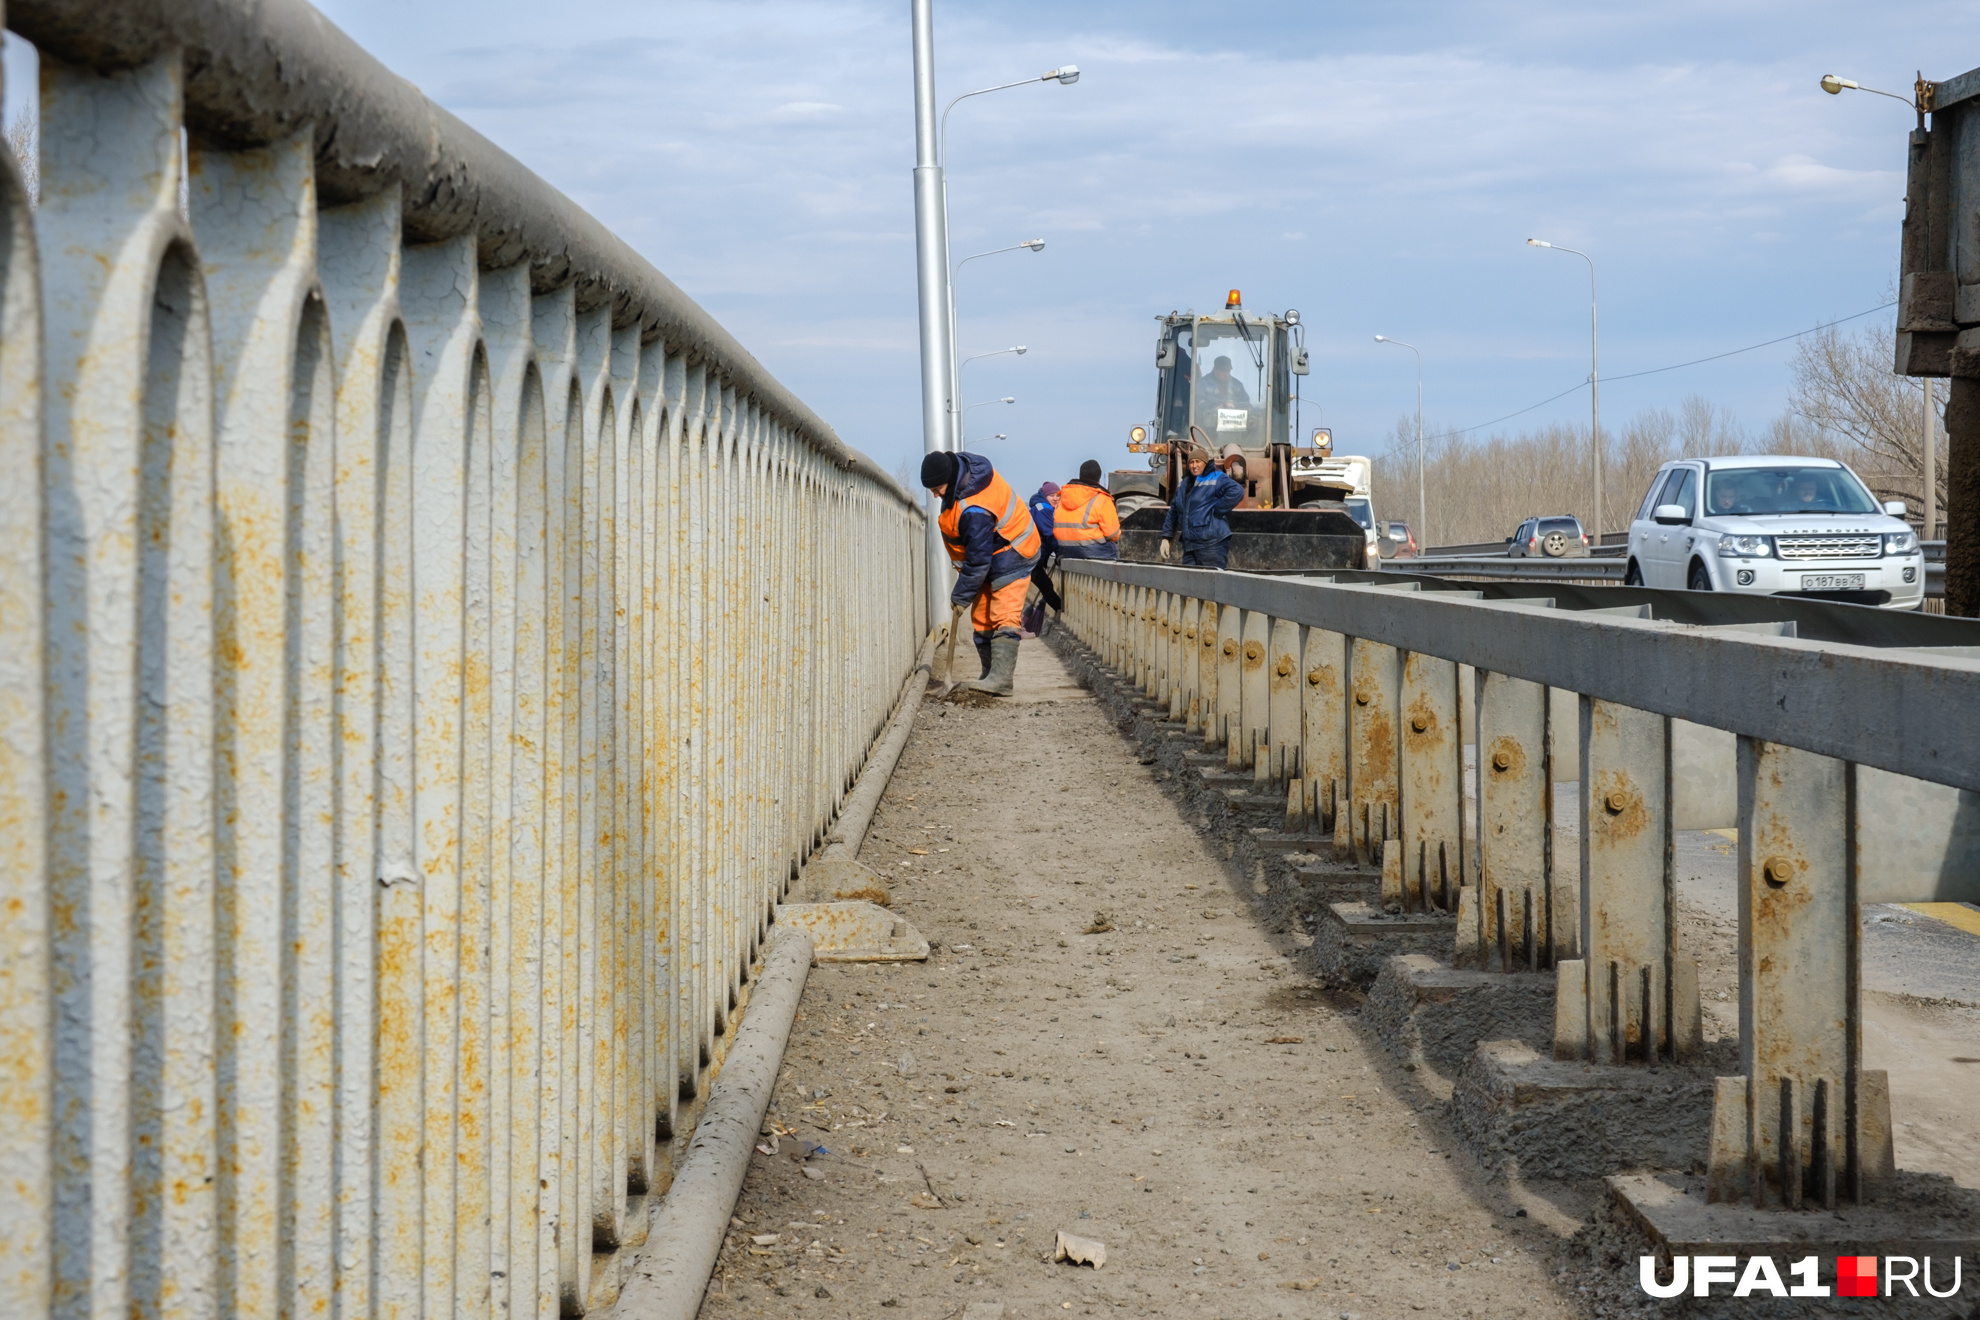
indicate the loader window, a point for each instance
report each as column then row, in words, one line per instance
column 1232, row 390
column 1175, row 408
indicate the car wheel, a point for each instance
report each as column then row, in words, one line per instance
column 1632, row 576
column 1700, row 580
column 1554, row 546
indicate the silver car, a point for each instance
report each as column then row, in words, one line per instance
column 1774, row 525
column 1559, row 537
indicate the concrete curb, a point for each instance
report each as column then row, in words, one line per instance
column 856, row 812
column 672, row 1273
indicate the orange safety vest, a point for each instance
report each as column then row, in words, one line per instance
column 1079, row 521
column 1014, row 525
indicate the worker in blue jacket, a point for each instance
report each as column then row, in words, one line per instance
column 1197, row 513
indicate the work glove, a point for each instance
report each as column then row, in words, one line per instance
column 1165, row 552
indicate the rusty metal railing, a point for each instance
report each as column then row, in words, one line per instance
column 428, row 644
column 1850, row 772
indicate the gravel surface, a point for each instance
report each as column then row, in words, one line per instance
column 1106, row 1043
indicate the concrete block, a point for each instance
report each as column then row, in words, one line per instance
column 1920, row 1215
column 855, row 932
column 1354, row 940
column 1529, row 1116
column 1430, row 1015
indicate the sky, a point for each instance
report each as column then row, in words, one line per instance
column 1377, row 167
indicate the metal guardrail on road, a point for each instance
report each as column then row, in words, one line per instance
column 1849, row 771
column 1499, row 568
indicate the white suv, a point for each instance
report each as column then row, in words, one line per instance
column 1769, row 525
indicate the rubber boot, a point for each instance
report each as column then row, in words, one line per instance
column 983, row 654
column 1003, row 668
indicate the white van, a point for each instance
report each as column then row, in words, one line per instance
column 1769, row 525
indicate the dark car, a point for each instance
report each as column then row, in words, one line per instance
column 1554, row 538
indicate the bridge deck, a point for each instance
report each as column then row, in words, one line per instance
column 1145, row 1104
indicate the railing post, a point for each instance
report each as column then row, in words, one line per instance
column 128, row 623
column 1629, row 997
column 1805, row 1124
column 1229, row 729
column 1324, row 725
column 1374, row 686
column 1255, row 699
column 1209, row 663
column 1180, row 654
column 1432, row 783
column 1516, row 921
column 1283, row 671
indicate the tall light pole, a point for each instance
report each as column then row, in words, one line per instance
column 1018, row 349
column 1929, row 452
column 1422, row 502
column 1028, row 245
column 931, row 251
column 1065, row 75
column 1594, row 377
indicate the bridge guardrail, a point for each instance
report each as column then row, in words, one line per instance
column 1504, row 569
column 1849, row 771
column 430, row 644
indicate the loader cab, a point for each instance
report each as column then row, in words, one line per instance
column 1228, row 375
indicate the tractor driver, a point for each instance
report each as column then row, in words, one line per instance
column 1220, row 389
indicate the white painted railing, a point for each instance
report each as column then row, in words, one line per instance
column 428, row 643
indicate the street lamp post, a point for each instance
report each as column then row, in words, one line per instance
column 1029, row 244
column 1065, row 75
column 1929, row 451
column 1594, row 376
column 1018, row 349
column 931, row 249
column 1422, row 501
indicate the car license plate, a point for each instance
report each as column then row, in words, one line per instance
column 1832, row 582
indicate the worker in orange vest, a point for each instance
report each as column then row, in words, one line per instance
column 1085, row 523
column 994, row 545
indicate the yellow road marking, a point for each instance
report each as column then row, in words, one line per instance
column 1962, row 915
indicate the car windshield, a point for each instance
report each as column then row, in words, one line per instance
column 1360, row 511
column 1776, row 490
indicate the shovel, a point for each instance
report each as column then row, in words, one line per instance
column 949, row 665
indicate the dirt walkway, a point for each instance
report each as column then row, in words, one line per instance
column 1167, row 1086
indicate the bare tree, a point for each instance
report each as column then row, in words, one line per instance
column 24, row 139
column 1481, row 489
column 1847, row 403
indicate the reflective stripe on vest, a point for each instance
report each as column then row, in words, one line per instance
column 1013, row 519
column 1063, row 529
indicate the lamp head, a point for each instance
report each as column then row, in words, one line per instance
column 1292, row 316
column 1019, row 350
column 1233, row 301
column 1035, row 244
column 1008, row 398
column 1381, row 339
column 1538, row 242
column 1834, row 85
column 1065, row 75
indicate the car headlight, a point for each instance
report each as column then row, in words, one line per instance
column 1745, row 547
column 1901, row 543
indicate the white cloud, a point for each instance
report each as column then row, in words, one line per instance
column 1366, row 166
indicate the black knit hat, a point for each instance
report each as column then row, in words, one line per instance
column 939, row 469
column 1089, row 472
